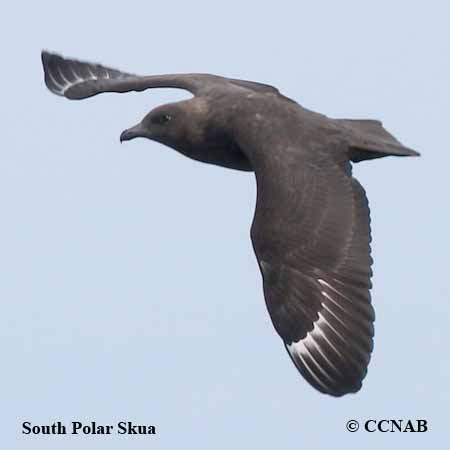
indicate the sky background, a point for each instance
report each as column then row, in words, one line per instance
column 129, row 289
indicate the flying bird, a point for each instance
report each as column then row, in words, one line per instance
column 311, row 228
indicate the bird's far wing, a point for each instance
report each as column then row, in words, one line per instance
column 254, row 86
column 311, row 236
column 77, row 80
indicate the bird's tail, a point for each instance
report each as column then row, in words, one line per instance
column 368, row 139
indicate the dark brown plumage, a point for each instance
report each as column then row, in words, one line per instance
column 311, row 230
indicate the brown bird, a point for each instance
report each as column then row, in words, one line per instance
column 311, row 229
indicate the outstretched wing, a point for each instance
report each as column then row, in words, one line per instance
column 78, row 80
column 311, row 235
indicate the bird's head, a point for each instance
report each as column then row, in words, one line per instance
column 178, row 125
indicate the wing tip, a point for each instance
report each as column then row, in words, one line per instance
column 50, row 59
column 75, row 79
column 61, row 79
column 336, row 388
column 45, row 56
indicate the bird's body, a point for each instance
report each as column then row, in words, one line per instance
column 311, row 230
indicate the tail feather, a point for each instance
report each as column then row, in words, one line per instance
column 368, row 140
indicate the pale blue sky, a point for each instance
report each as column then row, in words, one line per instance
column 129, row 287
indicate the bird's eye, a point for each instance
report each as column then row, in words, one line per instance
column 161, row 119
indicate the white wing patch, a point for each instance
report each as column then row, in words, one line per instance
column 67, row 83
column 60, row 87
column 300, row 352
column 328, row 285
column 317, row 352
